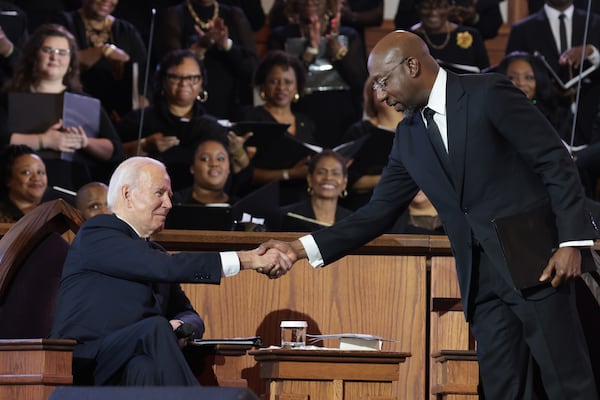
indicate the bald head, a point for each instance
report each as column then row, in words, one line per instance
column 403, row 69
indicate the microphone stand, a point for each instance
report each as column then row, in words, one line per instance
column 581, row 60
column 150, row 41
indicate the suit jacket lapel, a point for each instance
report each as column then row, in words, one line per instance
column 456, row 121
column 427, row 153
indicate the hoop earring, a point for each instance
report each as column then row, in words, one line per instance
column 309, row 190
column 344, row 194
column 202, row 96
column 296, row 97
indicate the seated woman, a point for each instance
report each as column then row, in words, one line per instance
column 327, row 179
column 210, row 170
column 380, row 123
column 528, row 74
column 24, row 182
column 280, row 79
column 176, row 119
column 221, row 36
column 458, row 48
column 108, row 48
column 49, row 65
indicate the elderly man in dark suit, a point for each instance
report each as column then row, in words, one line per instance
column 119, row 295
column 479, row 166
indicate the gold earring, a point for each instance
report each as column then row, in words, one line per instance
column 263, row 95
column 296, row 97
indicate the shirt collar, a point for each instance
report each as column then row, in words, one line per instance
column 131, row 226
column 553, row 13
column 437, row 97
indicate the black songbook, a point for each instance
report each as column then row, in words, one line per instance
column 264, row 132
column 571, row 82
column 263, row 202
column 373, row 154
column 459, row 68
column 287, row 150
column 200, row 217
column 528, row 240
column 293, row 222
column 36, row 112
column 253, row 341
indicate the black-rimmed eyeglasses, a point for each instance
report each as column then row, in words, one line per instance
column 189, row 79
column 381, row 83
column 59, row 52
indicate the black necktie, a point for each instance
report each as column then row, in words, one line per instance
column 435, row 137
column 562, row 29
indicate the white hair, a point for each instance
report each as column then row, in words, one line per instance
column 127, row 173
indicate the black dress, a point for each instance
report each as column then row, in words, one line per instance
column 463, row 46
column 229, row 72
column 113, row 88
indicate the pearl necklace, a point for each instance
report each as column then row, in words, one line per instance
column 204, row 25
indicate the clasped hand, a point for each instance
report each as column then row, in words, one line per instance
column 65, row 139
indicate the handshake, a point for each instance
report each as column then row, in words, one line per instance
column 272, row 258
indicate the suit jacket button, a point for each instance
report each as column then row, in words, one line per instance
column 466, row 210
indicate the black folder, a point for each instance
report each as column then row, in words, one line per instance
column 373, row 153
column 35, row 112
column 264, row 132
column 200, row 217
column 528, row 241
column 287, row 150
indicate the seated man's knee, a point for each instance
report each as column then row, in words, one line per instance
column 140, row 370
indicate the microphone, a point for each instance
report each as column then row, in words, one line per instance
column 150, row 41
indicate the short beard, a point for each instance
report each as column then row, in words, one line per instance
column 409, row 111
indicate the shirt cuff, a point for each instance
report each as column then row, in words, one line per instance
column 594, row 58
column 312, row 251
column 230, row 262
column 577, row 243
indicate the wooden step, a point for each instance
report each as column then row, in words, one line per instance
column 456, row 374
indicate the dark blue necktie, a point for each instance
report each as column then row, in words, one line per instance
column 562, row 29
column 436, row 138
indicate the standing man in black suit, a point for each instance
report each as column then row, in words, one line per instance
column 484, row 166
column 541, row 32
column 119, row 295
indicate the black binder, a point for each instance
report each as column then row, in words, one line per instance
column 528, row 241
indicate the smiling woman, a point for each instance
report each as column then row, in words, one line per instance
column 49, row 65
column 24, row 182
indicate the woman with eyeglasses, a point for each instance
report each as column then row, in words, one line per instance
column 49, row 64
column 177, row 119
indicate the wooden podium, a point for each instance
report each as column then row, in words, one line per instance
column 299, row 374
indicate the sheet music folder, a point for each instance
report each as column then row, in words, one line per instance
column 36, row 112
column 287, row 150
column 528, row 241
column 570, row 83
column 200, row 217
column 264, row 133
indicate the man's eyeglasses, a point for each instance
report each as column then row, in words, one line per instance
column 189, row 79
column 381, row 83
column 58, row 52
